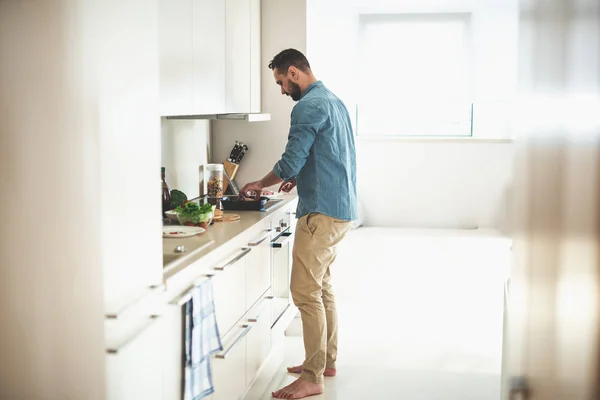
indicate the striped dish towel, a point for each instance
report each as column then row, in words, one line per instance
column 202, row 340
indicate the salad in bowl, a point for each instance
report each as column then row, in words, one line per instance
column 193, row 214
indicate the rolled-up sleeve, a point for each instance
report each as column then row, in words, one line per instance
column 306, row 120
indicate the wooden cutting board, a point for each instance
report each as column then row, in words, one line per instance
column 228, row 218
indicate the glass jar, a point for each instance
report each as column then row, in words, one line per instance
column 214, row 180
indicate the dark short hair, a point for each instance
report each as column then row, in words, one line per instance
column 287, row 58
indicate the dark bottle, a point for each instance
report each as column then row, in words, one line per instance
column 166, row 194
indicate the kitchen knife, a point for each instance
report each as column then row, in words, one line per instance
column 242, row 153
column 234, row 151
column 237, row 154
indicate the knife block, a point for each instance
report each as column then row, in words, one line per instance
column 231, row 170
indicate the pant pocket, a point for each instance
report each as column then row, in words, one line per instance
column 311, row 223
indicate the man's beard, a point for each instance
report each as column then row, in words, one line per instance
column 296, row 93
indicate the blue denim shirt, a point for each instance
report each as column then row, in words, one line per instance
column 321, row 156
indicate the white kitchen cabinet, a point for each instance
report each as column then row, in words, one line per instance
column 209, row 47
column 229, row 366
column 124, row 74
column 176, row 52
column 174, row 348
column 258, row 339
column 258, row 267
column 229, row 288
column 135, row 365
column 242, row 80
column 209, row 57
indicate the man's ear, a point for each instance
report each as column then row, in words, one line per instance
column 293, row 73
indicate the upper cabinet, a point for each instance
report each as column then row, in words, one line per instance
column 209, row 57
column 176, row 59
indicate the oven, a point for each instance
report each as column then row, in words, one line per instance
column 281, row 264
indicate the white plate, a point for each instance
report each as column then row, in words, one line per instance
column 181, row 231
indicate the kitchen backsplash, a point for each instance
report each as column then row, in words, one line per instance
column 185, row 147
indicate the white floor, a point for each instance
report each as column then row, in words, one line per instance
column 420, row 317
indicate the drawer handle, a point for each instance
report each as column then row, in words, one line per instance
column 187, row 296
column 123, row 345
column 235, row 342
column 261, row 309
column 234, row 260
column 278, row 244
column 262, row 239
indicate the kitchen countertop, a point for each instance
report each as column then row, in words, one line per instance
column 216, row 235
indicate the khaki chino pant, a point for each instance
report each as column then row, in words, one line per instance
column 317, row 236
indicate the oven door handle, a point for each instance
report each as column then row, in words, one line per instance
column 282, row 240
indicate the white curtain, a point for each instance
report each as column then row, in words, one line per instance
column 554, row 293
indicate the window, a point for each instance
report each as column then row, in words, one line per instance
column 415, row 75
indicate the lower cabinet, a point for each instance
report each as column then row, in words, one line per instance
column 258, row 339
column 229, row 288
column 244, row 304
column 135, row 366
column 229, row 366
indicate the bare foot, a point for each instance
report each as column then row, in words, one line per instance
column 299, row 389
column 298, row 370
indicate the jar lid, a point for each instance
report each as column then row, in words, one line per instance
column 214, row 167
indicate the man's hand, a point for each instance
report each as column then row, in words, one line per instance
column 255, row 187
column 287, row 186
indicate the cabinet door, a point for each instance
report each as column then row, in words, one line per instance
column 174, row 347
column 229, row 286
column 255, row 57
column 259, row 339
column 238, row 56
column 258, row 268
column 209, row 45
column 176, row 32
column 229, row 366
column 135, row 366
column 126, row 77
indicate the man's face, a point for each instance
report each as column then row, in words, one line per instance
column 288, row 87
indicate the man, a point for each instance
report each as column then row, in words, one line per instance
column 320, row 159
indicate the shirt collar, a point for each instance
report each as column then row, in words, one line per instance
column 311, row 87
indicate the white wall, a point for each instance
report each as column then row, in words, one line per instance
column 434, row 185
column 425, row 183
column 185, row 145
column 283, row 25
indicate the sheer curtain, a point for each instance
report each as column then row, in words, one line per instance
column 553, row 314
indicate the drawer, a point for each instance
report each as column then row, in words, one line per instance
column 259, row 338
column 258, row 267
column 229, row 286
column 229, row 366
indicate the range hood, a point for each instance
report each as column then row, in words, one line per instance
column 252, row 117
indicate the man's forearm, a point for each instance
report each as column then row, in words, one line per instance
column 270, row 180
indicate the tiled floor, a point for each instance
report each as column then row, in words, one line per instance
column 420, row 317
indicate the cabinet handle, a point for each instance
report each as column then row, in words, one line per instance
column 278, row 244
column 152, row 289
column 187, row 296
column 138, row 332
column 262, row 239
column 235, row 342
column 262, row 308
column 234, row 260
